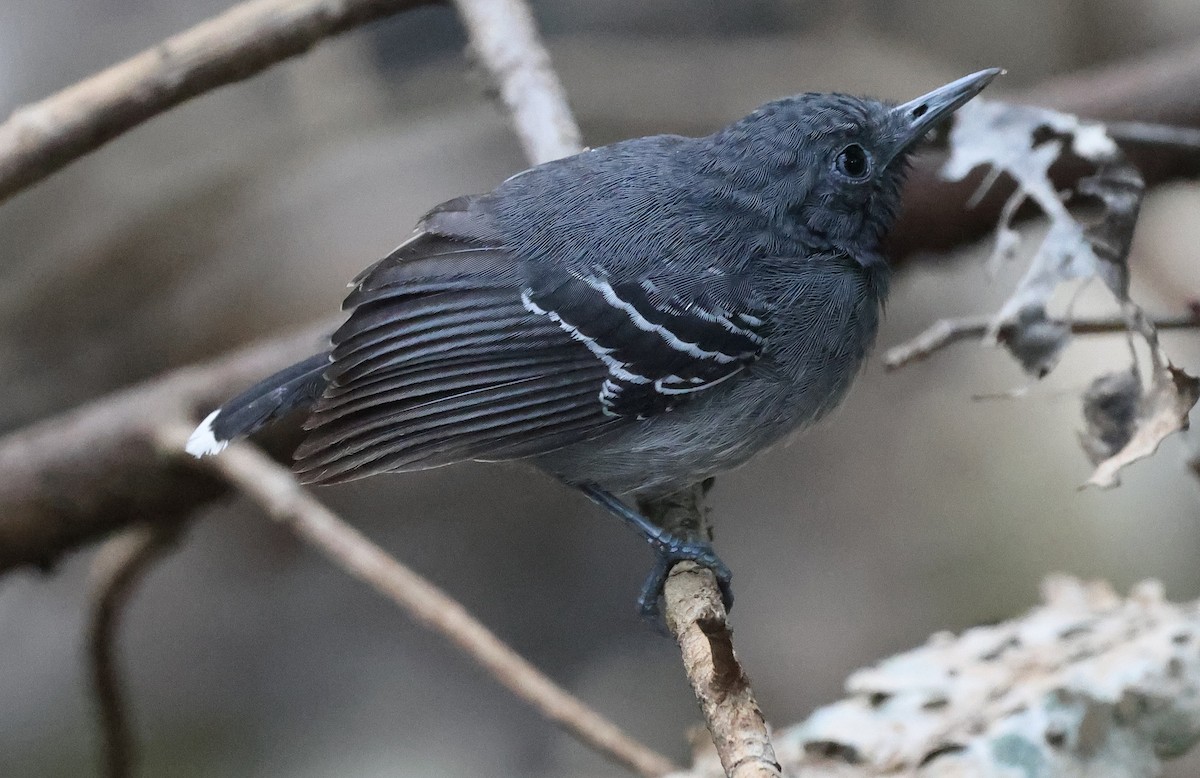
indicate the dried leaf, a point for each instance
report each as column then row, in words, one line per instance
column 1162, row 411
column 1036, row 341
column 1124, row 423
column 1121, row 189
column 1011, row 139
column 1110, row 409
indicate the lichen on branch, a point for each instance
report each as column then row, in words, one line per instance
column 1088, row 684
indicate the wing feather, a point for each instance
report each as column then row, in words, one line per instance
column 440, row 361
column 453, row 438
column 440, row 382
column 358, row 430
column 455, row 349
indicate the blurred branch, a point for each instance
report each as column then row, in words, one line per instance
column 946, row 332
column 278, row 492
column 76, row 477
column 1155, row 134
column 1087, row 684
column 503, row 37
column 119, row 565
column 43, row 137
column 696, row 616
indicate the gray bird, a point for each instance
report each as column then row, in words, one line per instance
column 632, row 319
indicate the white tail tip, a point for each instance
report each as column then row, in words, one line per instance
column 203, row 441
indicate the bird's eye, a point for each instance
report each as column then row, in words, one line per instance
column 853, row 162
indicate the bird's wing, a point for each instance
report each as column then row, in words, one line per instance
column 455, row 349
column 663, row 337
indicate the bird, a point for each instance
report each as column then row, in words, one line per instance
column 632, row 320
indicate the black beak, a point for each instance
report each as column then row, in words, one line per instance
column 917, row 117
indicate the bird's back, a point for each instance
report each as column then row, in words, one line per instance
column 627, row 210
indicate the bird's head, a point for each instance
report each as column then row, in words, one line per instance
column 828, row 168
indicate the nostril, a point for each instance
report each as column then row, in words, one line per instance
column 919, row 111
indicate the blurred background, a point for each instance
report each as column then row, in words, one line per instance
column 915, row 508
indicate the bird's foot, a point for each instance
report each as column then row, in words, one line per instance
column 672, row 550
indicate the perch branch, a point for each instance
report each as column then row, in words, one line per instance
column 43, row 137
column 1087, row 684
column 278, row 492
column 946, row 332
column 120, row 564
column 696, row 617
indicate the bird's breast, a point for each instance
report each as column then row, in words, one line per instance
column 825, row 318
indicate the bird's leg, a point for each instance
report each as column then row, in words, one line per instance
column 684, row 541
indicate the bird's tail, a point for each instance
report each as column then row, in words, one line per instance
column 293, row 388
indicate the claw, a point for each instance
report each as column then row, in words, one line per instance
column 670, row 552
column 669, row 548
column 651, row 594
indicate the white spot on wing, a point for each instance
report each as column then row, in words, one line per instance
column 753, row 321
column 533, row 307
column 671, row 384
column 721, row 317
column 203, row 441
column 608, row 395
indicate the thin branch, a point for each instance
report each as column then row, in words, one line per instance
column 278, row 492
column 937, row 336
column 503, row 37
column 1148, row 134
column 41, row 138
column 946, row 332
column 120, row 565
column 696, row 617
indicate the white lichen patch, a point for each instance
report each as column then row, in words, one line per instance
column 1088, row 684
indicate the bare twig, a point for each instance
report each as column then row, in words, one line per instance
column 937, row 336
column 41, row 138
column 696, row 617
column 945, row 332
column 1146, row 133
column 278, row 492
column 504, row 39
column 120, row 564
